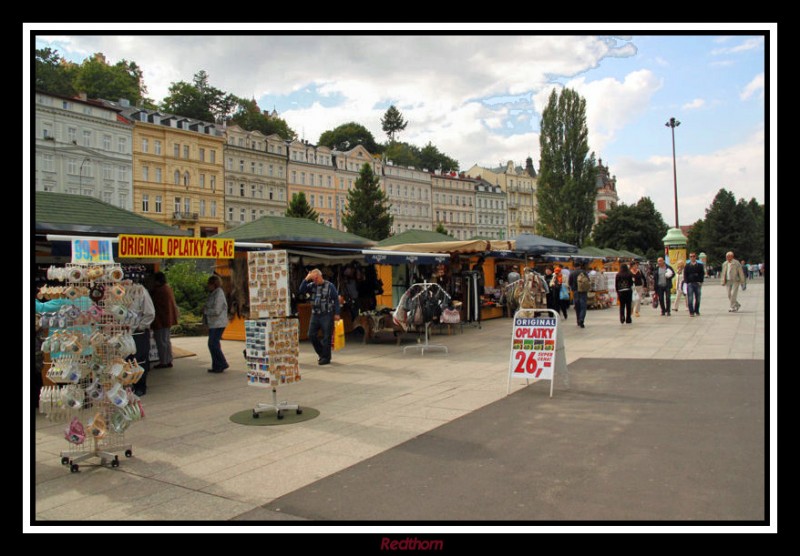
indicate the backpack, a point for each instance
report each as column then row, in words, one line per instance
column 584, row 284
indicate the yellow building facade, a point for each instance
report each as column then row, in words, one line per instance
column 178, row 173
column 520, row 188
column 311, row 170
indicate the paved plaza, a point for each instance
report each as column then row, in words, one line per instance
column 664, row 419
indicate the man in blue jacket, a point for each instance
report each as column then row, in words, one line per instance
column 693, row 276
column 662, row 276
column 325, row 310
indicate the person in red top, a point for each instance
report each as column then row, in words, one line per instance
column 167, row 314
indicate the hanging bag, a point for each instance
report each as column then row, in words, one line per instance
column 563, row 292
column 338, row 335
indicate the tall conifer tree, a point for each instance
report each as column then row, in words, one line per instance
column 367, row 214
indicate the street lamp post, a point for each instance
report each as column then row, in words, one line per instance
column 673, row 123
column 80, row 172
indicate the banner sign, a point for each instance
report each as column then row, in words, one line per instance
column 533, row 348
column 170, row 247
column 94, row 251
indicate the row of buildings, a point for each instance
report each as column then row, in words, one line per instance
column 208, row 177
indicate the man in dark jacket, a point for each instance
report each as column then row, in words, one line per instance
column 693, row 275
column 580, row 297
column 325, row 310
column 662, row 276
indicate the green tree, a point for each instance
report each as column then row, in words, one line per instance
column 638, row 228
column 431, row 158
column 441, row 229
column 721, row 231
column 299, row 208
column 348, row 136
column 250, row 117
column 199, row 100
column 392, row 122
column 567, row 173
column 98, row 79
column 695, row 242
column 189, row 286
column 403, row 154
column 52, row 73
column 367, row 213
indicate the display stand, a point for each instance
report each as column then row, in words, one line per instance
column 426, row 288
column 272, row 343
column 90, row 338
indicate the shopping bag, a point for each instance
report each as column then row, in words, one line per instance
column 338, row 335
column 635, row 296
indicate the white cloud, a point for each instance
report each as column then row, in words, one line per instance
column 739, row 169
column 748, row 44
column 755, row 86
column 696, row 103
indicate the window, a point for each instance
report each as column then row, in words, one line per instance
column 330, row 202
column 72, row 166
column 186, row 179
column 202, row 154
column 202, row 207
column 176, row 150
column 202, row 181
column 271, row 193
column 158, row 204
column 270, row 169
column 253, row 190
column 229, row 164
column 260, row 168
column 122, row 145
column 176, row 178
column 145, row 203
column 87, row 138
column 241, row 190
column 329, row 181
column 158, row 175
column 87, row 110
column 187, row 205
column 145, row 145
column 177, row 204
column 241, row 215
column 230, row 214
column 253, row 214
column 145, row 173
column 157, row 147
column 47, row 131
column 312, row 200
column 230, row 188
column 213, row 154
column 252, row 167
column 213, row 209
column 260, row 191
column 122, row 173
column 213, row 184
column 282, row 193
column 302, row 178
column 186, row 151
column 72, row 135
column 241, row 165
column 108, row 197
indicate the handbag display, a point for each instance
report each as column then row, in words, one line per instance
column 450, row 316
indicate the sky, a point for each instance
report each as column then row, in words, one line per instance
column 479, row 96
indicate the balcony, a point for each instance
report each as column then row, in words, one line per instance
column 513, row 205
column 186, row 216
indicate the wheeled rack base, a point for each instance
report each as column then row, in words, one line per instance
column 107, row 456
column 279, row 407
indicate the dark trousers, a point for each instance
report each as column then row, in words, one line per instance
column 581, row 302
column 625, row 300
column 324, row 322
column 218, row 360
column 664, row 299
column 142, row 355
column 693, row 296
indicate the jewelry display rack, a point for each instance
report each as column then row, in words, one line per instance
column 272, row 341
column 426, row 287
column 88, row 343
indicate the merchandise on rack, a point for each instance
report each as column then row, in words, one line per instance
column 90, row 345
column 272, row 341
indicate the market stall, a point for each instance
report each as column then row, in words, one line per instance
column 308, row 244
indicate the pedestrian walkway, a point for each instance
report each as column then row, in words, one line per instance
column 190, row 462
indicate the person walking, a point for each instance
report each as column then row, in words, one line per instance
column 679, row 295
column 744, row 273
column 580, row 284
column 559, row 289
column 167, row 314
column 623, row 283
column 141, row 305
column 325, row 311
column 693, row 277
column 552, row 298
column 732, row 278
column 639, row 284
column 215, row 316
column 662, row 277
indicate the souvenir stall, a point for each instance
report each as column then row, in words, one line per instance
column 307, row 244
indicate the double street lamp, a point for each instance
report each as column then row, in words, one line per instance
column 80, row 172
column 673, row 123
